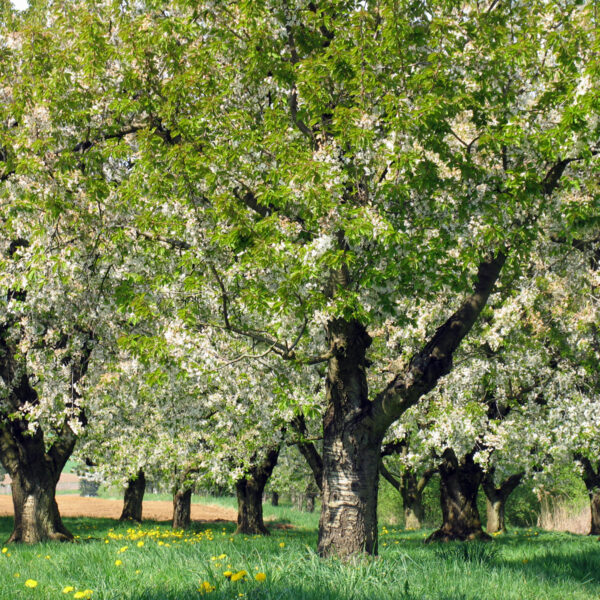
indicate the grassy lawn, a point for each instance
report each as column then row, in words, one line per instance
column 158, row 564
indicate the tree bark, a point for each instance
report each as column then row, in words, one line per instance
column 34, row 477
column 591, row 478
column 351, row 448
column 250, row 490
column 496, row 498
column 460, row 480
column 134, row 496
column 182, row 508
column 274, row 498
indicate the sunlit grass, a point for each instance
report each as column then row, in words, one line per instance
column 151, row 562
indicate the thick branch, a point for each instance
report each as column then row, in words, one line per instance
column 435, row 359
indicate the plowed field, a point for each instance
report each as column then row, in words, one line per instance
column 155, row 510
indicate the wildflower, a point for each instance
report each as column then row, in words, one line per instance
column 239, row 575
column 17, row 574
column 118, row 563
column 227, row 574
column 222, row 556
column 85, row 595
column 31, row 583
column 4, row 550
column 140, row 544
column 260, row 577
column 68, row 589
column 206, row 587
column 282, row 544
column 122, row 549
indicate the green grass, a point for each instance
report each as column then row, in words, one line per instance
column 524, row 565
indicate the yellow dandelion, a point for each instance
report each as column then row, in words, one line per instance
column 140, row 544
column 227, row 573
column 118, row 563
column 206, row 587
column 17, row 574
column 31, row 583
column 282, row 544
column 68, row 589
column 4, row 550
column 260, row 577
column 222, row 556
column 123, row 549
column 239, row 575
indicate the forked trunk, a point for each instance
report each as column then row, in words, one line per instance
column 249, row 491
column 496, row 498
column 36, row 513
column 34, row 473
column 182, row 508
column 133, row 498
column 351, row 448
column 460, row 482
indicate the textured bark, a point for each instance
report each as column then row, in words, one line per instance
column 591, row 478
column 133, row 498
column 249, row 491
column 351, row 448
column 182, row 508
column 460, row 480
column 34, row 477
column 496, row 498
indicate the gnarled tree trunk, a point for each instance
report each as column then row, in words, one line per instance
column 182, row 508
column 496, row 498
column 133, row 498
column 460, row 480
column 249, row 491
column 34, row 474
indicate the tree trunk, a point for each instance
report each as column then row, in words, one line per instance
column 134, row 495
column 460, row 482
column 274, row 499
column 496, row 498
column 310, row 503
column 182, row 508
column 591, row 478
column 250, row 491
column 351, row 448
column 34, row 477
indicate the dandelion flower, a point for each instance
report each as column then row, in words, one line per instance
column 4, row 550
column 222, row 556
column 31, row 583
column 68, row 589
column 239, row 575
column 260, row 577
column 118, row 563
column 227, row 573
column 140, row 544
column 206, row 587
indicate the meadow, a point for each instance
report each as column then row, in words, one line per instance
column 151, row 562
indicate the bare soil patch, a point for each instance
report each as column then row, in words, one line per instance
column 155, row 510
